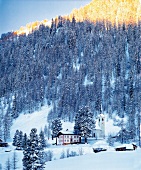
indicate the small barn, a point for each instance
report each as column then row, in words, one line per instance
column 126, row 147
column 65, row 138
column 3, row 144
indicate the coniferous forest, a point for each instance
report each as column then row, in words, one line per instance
column 69, row 65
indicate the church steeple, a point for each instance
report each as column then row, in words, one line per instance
column 101, row 123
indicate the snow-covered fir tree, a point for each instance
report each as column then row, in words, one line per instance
column 15, row 138
column 32, row 154
column 110, row 140
column 47, row 131
column 42, row 141
column 7, row 122
column 56, row 127
column 49, row 155
column 84, row 122
column 20, row 139
column 24, row 141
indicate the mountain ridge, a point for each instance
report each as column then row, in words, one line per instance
column 115, row 11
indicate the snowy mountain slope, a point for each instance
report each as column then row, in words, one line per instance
column 26, row 122
column 38, row 120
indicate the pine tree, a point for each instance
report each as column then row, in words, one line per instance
column 14, row 161
column 14, row 108
column 56, row 128
column 7, row 122
column 84, row 122
column 49, row 155
column 1, row 123
column 19, row 140
column 42, row 141
column 62, row 155
column 47, row 131
column 27, row 159
column 24, row 141
column 0, row 167
column 15, row 138
column 8, row 164
column 32, row 154
column 110, row 140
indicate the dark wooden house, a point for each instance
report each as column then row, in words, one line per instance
column 3, row 144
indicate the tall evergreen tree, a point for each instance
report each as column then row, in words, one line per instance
column 42, row 141
column 56, row 127
column 7, row 122
column 19, row 140
column 32, row 154
column 24, row 141
column 47, row 131
column 15, row 138
column 84, row 122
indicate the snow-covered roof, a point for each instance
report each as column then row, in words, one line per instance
column 101, row 115
column 128, row 146
column 66, row 132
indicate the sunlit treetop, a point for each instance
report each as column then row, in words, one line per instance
column 115, row 11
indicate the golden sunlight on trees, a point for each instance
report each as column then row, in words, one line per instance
column 115, row 11
column 31, row 27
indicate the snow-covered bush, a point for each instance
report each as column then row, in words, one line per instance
column 110, row 140
column 63, row 155
column 49, row 155
column 80, row 151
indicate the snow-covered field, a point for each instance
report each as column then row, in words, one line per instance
column 108, row 160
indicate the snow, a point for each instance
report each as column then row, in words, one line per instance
column 110, row 128
column 76, row 65
column 82, row 54
column 26, row 122
column 112, row 81
column 87, row 82
column 97, row 126
column 107, row 160
column 59, row 76
column 5, row 155
column 110, row 159
column 101, row 115
column 67, row 126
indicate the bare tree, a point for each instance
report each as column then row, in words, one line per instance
column 8, row 164
column 14, row 161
